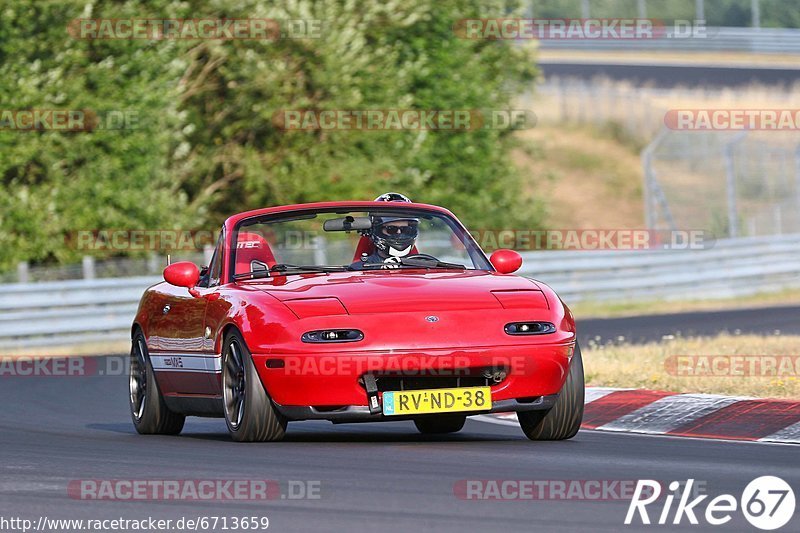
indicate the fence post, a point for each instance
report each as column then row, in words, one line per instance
column 797, row 177
column 208, row 253
column 23, row 272
column 320, row 250
column 647, row 167
column 755, row 9
column 88, row 267
column 730, row 179
column 630, row 118
column 650, row 186
column 584, row 95
column 153, row 264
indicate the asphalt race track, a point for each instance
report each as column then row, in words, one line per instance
column 383, row 477
column 372, row 477
column 652, row 328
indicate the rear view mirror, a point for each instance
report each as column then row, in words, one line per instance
column 506, row 261
column 183, row 274
column 347, row 223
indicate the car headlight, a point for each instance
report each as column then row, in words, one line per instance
column 530, row 328
column 332, row 335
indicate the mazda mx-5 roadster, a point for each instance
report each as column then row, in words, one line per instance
column 353, row 312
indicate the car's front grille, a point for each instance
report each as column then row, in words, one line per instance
column 440, row 378
column 394, row 383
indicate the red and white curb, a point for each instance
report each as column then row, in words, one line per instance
column 707, row 416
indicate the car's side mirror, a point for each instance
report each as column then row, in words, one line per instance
column 183, row 274
column 506, row 261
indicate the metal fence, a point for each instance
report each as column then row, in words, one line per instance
column 731, row 268
column 91, row 268
column 757, row 40
column 86, row 311
column 731, row 183
column 639, row 112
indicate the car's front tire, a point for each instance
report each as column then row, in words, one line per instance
column 563, row 420
column 249, row 412
column 149, row 413
column 441, row 424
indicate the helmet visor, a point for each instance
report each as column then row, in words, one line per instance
column 399, row 230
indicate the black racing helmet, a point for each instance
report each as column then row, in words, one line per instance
column 393, row 197
column 390, row 237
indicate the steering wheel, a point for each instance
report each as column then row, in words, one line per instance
column 420, row 256
column 426, row 257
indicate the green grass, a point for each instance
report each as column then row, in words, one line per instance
column 651, row 366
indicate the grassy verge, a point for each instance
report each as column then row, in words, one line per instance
column 711, row 58
column 656, row 366
column 605, row 168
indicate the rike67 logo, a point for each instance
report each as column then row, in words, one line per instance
column 767, row 502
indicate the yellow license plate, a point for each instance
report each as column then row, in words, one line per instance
column 418, row 402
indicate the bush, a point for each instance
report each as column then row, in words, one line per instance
column 205, row 145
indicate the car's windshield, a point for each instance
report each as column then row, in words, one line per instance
column 311, row 241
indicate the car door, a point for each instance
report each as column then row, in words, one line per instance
column 183, row 352
column 176, row 346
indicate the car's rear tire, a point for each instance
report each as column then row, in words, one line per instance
column 149, row 413
column 249, row 412
column 437, row 425
column 563, row 420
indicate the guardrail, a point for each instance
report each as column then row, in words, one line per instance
column 758, row 40
column 733, row 267
column 86, row 311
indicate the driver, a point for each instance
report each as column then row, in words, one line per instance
column 393, row 236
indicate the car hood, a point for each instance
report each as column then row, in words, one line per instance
column 382, row 291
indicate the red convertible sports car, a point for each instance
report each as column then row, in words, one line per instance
column 353, row 312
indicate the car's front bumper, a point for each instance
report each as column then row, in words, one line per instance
column 361, row 413
column 329, row 385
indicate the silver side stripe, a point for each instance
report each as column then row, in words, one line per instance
column 183, row 362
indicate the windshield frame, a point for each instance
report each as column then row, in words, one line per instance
column 475, row 252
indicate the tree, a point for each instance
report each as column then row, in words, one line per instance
column 206, row 144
